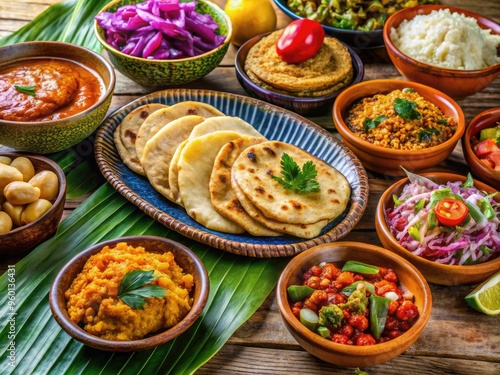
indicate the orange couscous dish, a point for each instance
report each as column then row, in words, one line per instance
column 93, row 302
column 401, row 120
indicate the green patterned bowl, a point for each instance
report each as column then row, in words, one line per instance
column 168, row 72
column 44, row 137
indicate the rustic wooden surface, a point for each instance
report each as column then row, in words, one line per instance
column 457, row 340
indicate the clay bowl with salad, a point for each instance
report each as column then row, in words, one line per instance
column 56, row 94
column 361, row 32
column 425, row 44
column 394, row 124
column 353, row 304
column 447, row 225
column 130, row 293
column 480, row 146
column 32, row 197
column 163, row 43
column 299, row 67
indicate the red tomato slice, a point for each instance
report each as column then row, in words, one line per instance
column 300, row 40
column 451, row 212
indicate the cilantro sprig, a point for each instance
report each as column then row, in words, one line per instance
column 294, row 178
column 30, row 90
column 406, row 109
column 135, row 288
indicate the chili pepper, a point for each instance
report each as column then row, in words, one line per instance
column 379, row 306
column 360, row 267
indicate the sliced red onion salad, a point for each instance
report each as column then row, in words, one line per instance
column 412, row 223
column 160, row 29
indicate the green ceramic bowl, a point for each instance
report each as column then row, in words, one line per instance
column 157, row 73
column 43, row 137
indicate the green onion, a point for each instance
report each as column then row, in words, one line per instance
column 309, row 319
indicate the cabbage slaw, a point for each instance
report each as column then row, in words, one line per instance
column 413, row 223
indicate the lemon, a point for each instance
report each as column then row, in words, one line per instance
column 250, row 18
column 486, row 296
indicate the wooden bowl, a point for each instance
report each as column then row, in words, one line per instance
column 442, row 274
column 183, row 256
column 486, row 119
column 21, row 240
column 387, row 160
column 340, row 252
column 457, row 83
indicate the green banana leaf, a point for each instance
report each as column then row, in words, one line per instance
column 31, row 342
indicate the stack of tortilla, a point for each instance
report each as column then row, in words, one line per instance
column 219, row 169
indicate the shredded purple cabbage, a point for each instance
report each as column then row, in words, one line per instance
column 160, row 29
column 474, row 242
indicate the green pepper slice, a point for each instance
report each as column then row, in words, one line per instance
column 355, row 266
column 299, row 292
column 379, row 307
column 352, row 287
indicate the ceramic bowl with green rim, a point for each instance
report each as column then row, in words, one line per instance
column 174, row 68
column 49, row 131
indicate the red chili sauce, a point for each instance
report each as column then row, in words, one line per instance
column 61, row 89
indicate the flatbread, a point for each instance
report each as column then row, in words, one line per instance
column 253, row 171
column 160, row 149
column 297, row 230
column 222, row 195
column 160, row 118
column 173, row 174
column 126, row 132
column 213, row 124
column 195, row 168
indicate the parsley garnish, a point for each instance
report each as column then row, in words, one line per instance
column 371, row 124
column 293, row 178
column 30, row 90
column 135, row 288
column 406, row 109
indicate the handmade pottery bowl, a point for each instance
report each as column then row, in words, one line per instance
column 299, row 104
column 358, row 40
column 338, row 253
column 437, row 273
column 487, row 119
column 45, row 137
column 457, row 83
column 23, row 238
column 387, row 160
column 184, row 257
column 168, row 72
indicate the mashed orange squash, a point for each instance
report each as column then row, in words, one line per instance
column 92, row 299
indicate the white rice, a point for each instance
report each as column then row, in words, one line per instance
column 449, row 40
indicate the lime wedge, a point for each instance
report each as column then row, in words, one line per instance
column 486, row 297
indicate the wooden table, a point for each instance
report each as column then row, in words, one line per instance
column 456, row 340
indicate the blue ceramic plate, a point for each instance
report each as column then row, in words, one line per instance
column 274, row 123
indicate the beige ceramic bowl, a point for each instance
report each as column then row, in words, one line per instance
column 184, row 257
column 168, row 72
column 45, row 137
column 487, row 119
column 21, row 240
column 339, row 253
column 442, row 274
column 386, row 160
column 454, row 82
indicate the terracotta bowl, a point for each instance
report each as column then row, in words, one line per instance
column 21, row 240
column 454, row 82
column 340, row 252
column 183, row 256
column 45, row 137
column 442, row 274
column 386, row 160
column 168, row 72
column 359, row 40
column 486, row 119
column 299, row 104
